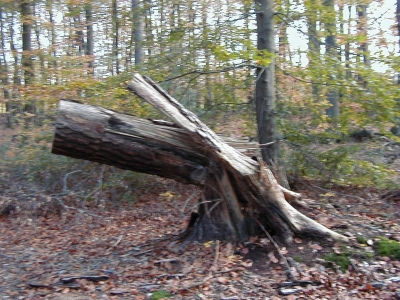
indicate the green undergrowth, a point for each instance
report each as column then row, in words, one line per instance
column 341, row 165
column 382, row 247
column 341, row 259
column 334, row 260
column 161, row 294
column 390, row 248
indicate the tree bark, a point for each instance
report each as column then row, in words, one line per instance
column 331, row 50
column 314, row 45
column 26, row 20
column 237, row 190
column 265, row 93
column 137, row 16
column 115, row 44
column 89, row 35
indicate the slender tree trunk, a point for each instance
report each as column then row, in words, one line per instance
column 396, row 129
column 314, row 47
column 4, row 71
column 17, row 69
column 265, row 92
column 26, row 20
column 137, row 16
column 362, row 28
column 3, row 60
column 14, row 105
column 347, row 47
column 209, row 97
column 80, row 37
column 247, row 36
column 37, row 29
column 331, row 50
column 53, row 75
column 149, row 27
column 363, row 55
column 27, row 57
column 89, row 36
column 115, row 43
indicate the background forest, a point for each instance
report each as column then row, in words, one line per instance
column 337, row 67
column 336, row 70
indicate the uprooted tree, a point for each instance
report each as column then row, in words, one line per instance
column 238, row 192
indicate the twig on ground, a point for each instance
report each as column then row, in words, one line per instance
column 77, row 209
column 137, row 254
column 167, row 260
column 230, row 270
column 290, row 275
column 294, row 264
column 65, row 179
column 196, row 284
column 119, row 240
column 188, row 200
column 216, row 254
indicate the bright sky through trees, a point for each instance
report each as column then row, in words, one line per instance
column 382, row 34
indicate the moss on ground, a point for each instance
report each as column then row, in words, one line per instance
column 390, row 248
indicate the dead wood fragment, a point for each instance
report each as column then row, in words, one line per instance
column 94, row 278
column 302, row 283
column 289, row 273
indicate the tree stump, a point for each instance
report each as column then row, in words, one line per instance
column 238, row 192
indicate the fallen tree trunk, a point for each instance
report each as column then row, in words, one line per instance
column 238, row 191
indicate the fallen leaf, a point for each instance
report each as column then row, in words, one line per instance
column 337, row 250
column 272, row 258
column 247, row 263
column 316, row 247
column 223, row 280
column 367, row 287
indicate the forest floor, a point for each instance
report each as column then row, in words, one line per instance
column 57, row 246
column 130, row 250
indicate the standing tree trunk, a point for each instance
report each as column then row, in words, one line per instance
column 138, row 31
column 331, row 52
column 89, row 36
column 27, row 58
column 27, row 62
column 314, row 46
column 396, row 129
column 4, row 71
column 363, row 54
column 347, row 47
column 238, row 192
column 265, row 92
column 115, row 47
column 362, row 29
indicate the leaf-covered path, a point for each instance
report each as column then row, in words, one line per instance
column 129, row 251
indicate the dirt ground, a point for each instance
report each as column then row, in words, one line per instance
column 130, row 250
